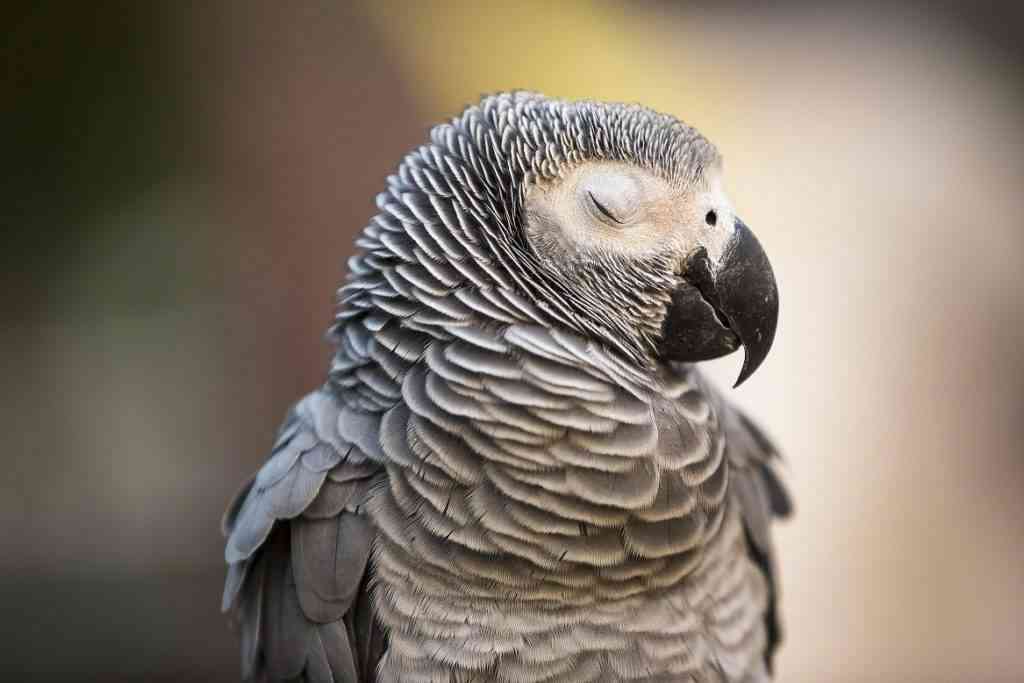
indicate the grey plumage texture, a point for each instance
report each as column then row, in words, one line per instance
column 499, row 480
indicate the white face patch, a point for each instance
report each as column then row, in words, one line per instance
column 618, row 208
column 718, row 217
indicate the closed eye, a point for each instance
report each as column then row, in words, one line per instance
column 603, row 209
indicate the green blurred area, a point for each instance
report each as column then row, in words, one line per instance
column 95, row 123
column 183, row 183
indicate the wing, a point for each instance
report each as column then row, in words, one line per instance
column 298, row 552
column 758, row 489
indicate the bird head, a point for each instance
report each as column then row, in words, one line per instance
column 663, row 254
column 606, row 220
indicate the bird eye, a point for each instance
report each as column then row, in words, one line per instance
column 711, row 218
column 603, row 209
column 610, row 195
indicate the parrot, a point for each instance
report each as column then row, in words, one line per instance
column 514, row 470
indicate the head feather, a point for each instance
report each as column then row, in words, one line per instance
column 452, row 218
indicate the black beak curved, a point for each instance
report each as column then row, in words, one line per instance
column 720, row 307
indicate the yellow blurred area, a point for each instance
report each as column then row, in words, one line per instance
column 184, row 183
column 453, row 52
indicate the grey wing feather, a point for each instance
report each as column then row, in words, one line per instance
column 768, row 460
column 327, row 589
column 298, row 553
column 250, row 616
column 757, row 487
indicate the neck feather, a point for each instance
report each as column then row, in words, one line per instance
column 533, row 458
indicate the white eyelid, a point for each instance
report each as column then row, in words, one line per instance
column 618, row 193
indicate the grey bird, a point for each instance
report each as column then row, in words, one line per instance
column 514, row 472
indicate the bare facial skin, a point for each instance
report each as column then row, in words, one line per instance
column 612, row 207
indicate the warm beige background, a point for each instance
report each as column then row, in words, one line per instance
column 184, row 186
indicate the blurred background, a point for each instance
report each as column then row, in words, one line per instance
column 181, row 186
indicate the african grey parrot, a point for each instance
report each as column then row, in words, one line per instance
column 514, row 472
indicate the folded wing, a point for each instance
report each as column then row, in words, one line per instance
column 298, row 550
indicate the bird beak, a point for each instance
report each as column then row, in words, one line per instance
column 720, row 306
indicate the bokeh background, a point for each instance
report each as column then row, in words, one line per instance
column 181, row 185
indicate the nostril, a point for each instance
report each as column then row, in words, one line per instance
column 711, row 218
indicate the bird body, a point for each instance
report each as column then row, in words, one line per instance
column 512, row 473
